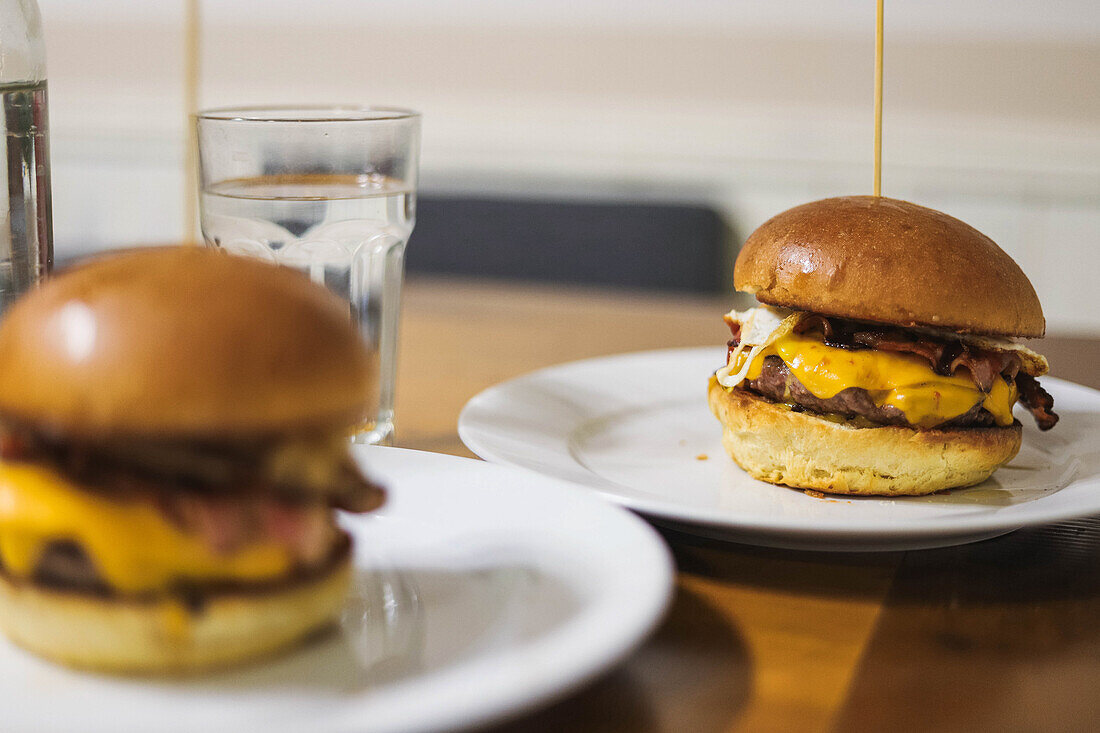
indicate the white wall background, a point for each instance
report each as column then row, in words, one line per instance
column 992, row 107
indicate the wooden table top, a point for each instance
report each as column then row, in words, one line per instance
column 1002, row 634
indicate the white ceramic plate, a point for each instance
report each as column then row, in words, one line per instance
column 482, row 591
column 637, row 429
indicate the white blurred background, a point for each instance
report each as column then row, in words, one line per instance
column 992, row 107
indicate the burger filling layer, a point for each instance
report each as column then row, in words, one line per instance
column 57, row 532
column 148, row 518
column 874, row 375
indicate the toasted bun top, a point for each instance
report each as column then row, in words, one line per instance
column 880, row 259
column 182, row 342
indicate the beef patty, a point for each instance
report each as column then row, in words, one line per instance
column 65, row 566
column 778, row 384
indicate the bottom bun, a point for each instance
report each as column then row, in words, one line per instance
column 778, row 445
column 163, row 635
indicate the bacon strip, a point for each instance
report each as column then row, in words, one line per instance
column 1037, row 400
column 227, row 524
column 733, row 343
column 940, row 354
column 813, row 322
column 946, row 357
column 735, row 331
column 134, row 466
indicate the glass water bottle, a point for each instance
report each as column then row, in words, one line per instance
column 26, row 229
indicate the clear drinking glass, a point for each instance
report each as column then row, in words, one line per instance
column 330, row 191
column 26, row 234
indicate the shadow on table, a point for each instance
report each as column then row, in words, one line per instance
column 694, row 652
column 998, row 635
column 843, row 574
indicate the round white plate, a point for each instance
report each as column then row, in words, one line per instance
column 637, row 429
column 482, row 591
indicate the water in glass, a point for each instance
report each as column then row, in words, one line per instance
column 346, row 231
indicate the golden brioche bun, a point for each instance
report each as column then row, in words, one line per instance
column 162, row 636
column 879, row 259
column 798, row 449
column 182, row 341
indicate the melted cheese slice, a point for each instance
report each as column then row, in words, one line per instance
column 905, row 381
column 133, row 546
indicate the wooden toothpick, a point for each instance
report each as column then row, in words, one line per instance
column 878, row 99
column 191, row 70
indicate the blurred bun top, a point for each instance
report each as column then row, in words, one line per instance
column 182, row 342
column 879, row 259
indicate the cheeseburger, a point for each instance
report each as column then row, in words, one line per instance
column 174, row 442
column 882, row 358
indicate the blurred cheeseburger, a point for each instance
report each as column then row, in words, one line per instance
column 882, row 360
column 174, row 441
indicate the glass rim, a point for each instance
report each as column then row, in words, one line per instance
column 308, row 113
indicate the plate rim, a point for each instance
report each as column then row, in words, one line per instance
column 670, row 511
column 615, row 647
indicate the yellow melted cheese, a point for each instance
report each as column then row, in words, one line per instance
column 905, row 381
column 132, row 545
